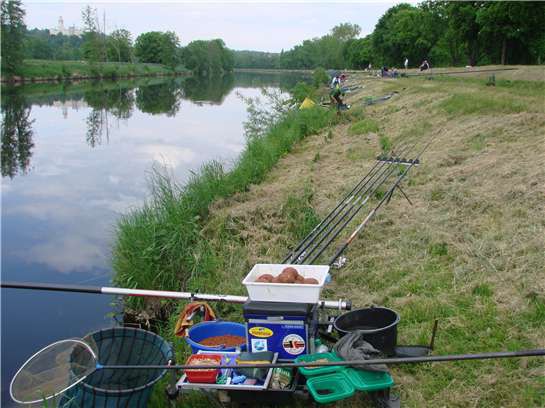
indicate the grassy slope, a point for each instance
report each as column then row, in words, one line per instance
column 66, row 69
column 469, row 252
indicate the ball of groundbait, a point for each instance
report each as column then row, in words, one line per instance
column 300, row 279
column 291, row 272
column 284, row 278
column 311, row 281
column 275, row 280
column 266, row 277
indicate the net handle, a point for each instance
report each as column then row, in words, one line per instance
column 45, row 398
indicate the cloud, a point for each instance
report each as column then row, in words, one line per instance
column 168, row 155
column 266, row 25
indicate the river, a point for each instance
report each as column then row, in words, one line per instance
column 76, row 156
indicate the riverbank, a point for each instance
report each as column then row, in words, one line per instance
column 52, row 71
column 469, row 251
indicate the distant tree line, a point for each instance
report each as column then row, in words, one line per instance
column 255, row 59
column 443, row 32
column 95, row 45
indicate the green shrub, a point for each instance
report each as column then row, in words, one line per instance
column 320, row 77
column 301, row 91
column 385, row 143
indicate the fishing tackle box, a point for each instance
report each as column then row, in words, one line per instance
column 288, row 329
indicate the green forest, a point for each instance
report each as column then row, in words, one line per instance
column 442, row 32
column 445, row 33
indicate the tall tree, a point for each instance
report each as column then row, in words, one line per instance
column 345, row 31
column 120, row 46
column 358, row 53
column 13, row 32
column 93, row 46
column 208, row 57
column 510, row 25
column 463, row 28
column 157, row 47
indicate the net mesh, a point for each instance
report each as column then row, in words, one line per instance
column 125, row 388
column 52, row 370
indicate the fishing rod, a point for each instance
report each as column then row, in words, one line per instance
column 348, row 197
column 384, row 167
column 386, row 196
column 355, row 205
column 327, row 304
column 463, row 72
column 370, row 190
column 293, row 254
column 357, row 363
column 331, row 237
column 364, row 222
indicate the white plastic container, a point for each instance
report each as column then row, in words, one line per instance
column 285, row 292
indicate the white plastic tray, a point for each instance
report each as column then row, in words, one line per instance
column 285, row 292
column 183, row 384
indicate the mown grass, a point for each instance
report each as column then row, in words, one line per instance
column 161, row 245
column 471, row 103
column 468, row 252
column 49, row 69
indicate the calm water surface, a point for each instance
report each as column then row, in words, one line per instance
column 75, row 157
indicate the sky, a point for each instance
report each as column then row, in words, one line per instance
column 265, row 26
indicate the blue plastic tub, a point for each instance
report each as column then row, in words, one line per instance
column 213, row 328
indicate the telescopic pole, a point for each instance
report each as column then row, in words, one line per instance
column 165, row 294
column 356, row 363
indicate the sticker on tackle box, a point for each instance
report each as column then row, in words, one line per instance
column 293, row 344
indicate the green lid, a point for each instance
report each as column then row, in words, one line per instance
column 329, row 388
column 313, row 371
column 364, row 380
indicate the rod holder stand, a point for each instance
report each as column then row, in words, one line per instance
column 398, row 160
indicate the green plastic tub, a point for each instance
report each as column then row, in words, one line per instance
column 363, row 380
column 330, row 387
column 312, row 372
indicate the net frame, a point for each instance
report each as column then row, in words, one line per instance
column 71, row 384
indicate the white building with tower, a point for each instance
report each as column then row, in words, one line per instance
column 61, row 29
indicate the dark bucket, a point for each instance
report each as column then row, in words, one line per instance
column 378, row 326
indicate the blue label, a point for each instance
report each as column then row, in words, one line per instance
column 288, row 340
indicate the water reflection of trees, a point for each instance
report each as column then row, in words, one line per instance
column 279, row 80
column 159, row 98
column 16, row 133
column 111, row 102
column 117, row 102
column 209, row 89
